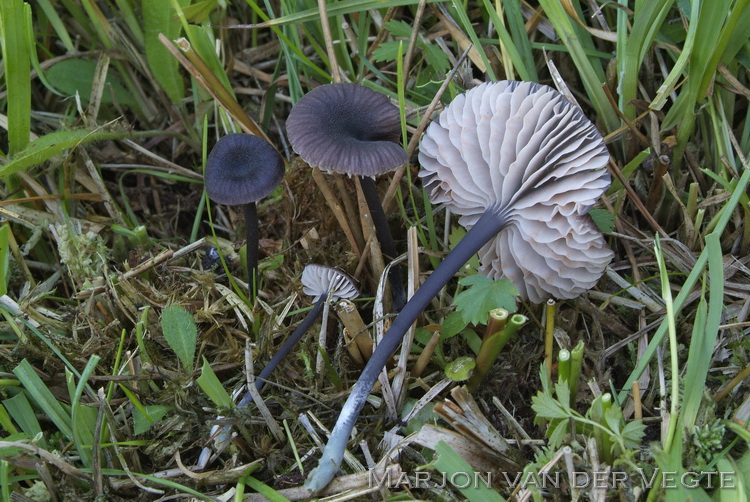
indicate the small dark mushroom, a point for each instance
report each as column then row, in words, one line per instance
column 521, row 165
column 353, row 130
column 240, row 170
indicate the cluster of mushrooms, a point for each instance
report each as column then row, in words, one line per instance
column 517, row 162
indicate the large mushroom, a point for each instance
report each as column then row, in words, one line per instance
column 240, row 170
column 351, row 129
column 521, row 165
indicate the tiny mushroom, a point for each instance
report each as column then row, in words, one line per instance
column 351, row 129
column 521, row 165
column 318, row 281
column 242, row 169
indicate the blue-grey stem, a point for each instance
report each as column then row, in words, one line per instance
column 383, row 231
column 487, row 227
column 285, row 348
column 251, row 249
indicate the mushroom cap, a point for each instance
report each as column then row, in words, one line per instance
column 524, row 151
column 347, row 128
column 317, row 280
column 242, row 168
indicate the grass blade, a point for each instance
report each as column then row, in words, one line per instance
column 459, row 472
column 17, row 65
column 46, row 401
column 20, row 410
column 158, row 17
column 688, row 285
column 53, row 144
column 591, row 76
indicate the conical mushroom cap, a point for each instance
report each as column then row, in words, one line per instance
column 317, row 280
column 524, row 151
column 347, row 128
column 242, row 168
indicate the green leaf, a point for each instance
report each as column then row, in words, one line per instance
column 456, row 468
column 72, row 76
column 181, row 334
column 17, row 65
column 19, row 408
column 460, row 369
column 142, row 423
column 399, row 28
column 46, row 401
column 386, row 51
column 199, row 11
column 548, row 407
column 558, row 433
column 441, row 65
column 265, row 490
column 483, row 295
column 53, row 144
column 633, row 433
column 458, row 233
column 452, row 325
column 603, row 219
column 213, row 388
column 613, row 419
column 272, row 263
column 4, row 248
column 562, row 391
column 159, row 17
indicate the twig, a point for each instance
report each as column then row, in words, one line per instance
column 426, row 355
column 413, row 40
column 420, row 129
column 412, row 285
column 336, row 209
column 48, row 457
column 257, row 399
column 734, row 382
column 193, row 63
column 326, row 28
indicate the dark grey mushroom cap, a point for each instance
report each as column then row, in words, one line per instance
column 347, row 128
column 242, row 168
column 317, row 280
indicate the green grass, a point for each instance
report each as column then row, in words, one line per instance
column 127, row 97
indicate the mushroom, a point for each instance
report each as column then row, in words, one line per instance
column 317, row 281
column 353, row 130
column 242, row 169
column 521, row 166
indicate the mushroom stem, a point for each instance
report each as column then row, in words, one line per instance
column 251, row 248
column 285, row 348
column 488, row 225
column 386, row 240
column 224, row 436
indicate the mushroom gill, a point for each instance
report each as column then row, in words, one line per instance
column 522, row 150
column 521, row 166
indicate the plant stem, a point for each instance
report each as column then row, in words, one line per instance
column 563, row 367
column 576, row 361
column 491, row 346
column 549, row 336
column 488, row 225
column 496, row 322
column 251, row 249
column 386, row 240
